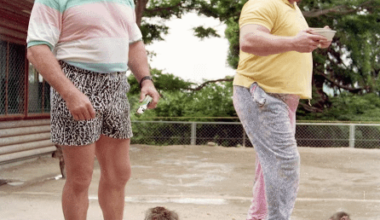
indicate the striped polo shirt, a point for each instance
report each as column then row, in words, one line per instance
column 90, row 34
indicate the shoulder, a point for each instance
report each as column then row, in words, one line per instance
column 261, row 7
column 126, row 2
column 54, row 4
column 261, row 3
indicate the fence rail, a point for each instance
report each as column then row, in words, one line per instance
column 233, row 134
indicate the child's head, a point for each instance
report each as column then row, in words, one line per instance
column 340, row 216
column 160, row 213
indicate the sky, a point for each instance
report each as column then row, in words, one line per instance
column 186, row 56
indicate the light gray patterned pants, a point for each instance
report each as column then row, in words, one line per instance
column 269, row 121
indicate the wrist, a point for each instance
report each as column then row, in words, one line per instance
column 68, row 92
column 292, row 44
column 145, row 79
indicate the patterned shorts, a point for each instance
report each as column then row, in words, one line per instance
column 108, row 95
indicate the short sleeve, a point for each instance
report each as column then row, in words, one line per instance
column 261, row 12
column 134, row 33
column 45, row 23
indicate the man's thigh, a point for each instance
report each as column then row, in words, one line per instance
column 79, row 161
column 113, row 156
column 265, row 119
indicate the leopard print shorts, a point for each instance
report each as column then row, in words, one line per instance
column 108, row 95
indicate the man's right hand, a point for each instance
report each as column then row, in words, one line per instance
column 80, row 106
column 304, row 42
column 44, row 61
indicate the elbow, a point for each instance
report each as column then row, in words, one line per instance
column 252, row 47
column 29, row 54
column 246, row 46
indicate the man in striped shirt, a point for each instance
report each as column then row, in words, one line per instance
column 83, row 48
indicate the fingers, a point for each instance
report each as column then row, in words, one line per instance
column 89, row 112
column 150, row 90
column 325, row 44
column 318, row 41
column 317, row 37
column 84, row 113
column 81, row 109
column 153, row 103
column 92, row 112
column 309, row 31
column 142, row 95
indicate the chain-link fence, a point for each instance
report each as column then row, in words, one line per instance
column 15, row 98
column 232, row 134
column 12, row 78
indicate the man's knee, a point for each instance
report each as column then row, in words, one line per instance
column 290, row 165
column 79, row 182
column 118, row 178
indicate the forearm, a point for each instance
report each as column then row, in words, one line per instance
column 264, row 44
column 47, row 65
column 138, row 61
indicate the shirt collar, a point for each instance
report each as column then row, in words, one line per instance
column 287, row 2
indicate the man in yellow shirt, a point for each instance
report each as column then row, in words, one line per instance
column 274, row 72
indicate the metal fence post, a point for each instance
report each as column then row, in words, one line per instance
column 193, row 133
column 244, row 138
column 352, row 136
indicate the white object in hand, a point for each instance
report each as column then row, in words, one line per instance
column 144, row 105
column 327, row 33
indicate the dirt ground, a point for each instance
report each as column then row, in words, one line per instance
column 203, row 182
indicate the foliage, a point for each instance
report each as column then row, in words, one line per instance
column 345, row 75
column 348, row 107
column 352, row 63
column 178, row 101
column 202, row 32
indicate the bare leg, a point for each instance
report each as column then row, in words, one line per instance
column 113, row 157
column 258, row 208
column 79, row 162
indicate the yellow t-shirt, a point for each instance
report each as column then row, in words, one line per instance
column 288, row 72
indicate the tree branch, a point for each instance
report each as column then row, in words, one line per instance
column 208, row 82
column 338, row 10
column 139, row 10
column 353, row 90
column 155, row 10
column 310, row 108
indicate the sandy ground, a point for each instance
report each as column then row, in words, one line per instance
column 203, row 182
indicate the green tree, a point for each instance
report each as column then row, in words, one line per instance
column 181, row 100
column 351, row 64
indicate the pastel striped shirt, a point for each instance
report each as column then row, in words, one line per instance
column 90, row 34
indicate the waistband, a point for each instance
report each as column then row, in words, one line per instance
column 282, row 96
column 63, row 64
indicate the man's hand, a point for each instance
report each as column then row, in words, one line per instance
column 80, row 106
column 306, row 42
column 323, row 43
column 78, row 103
column 147, row 88
column 138, row 63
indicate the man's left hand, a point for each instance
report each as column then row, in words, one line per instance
column 147, row 88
